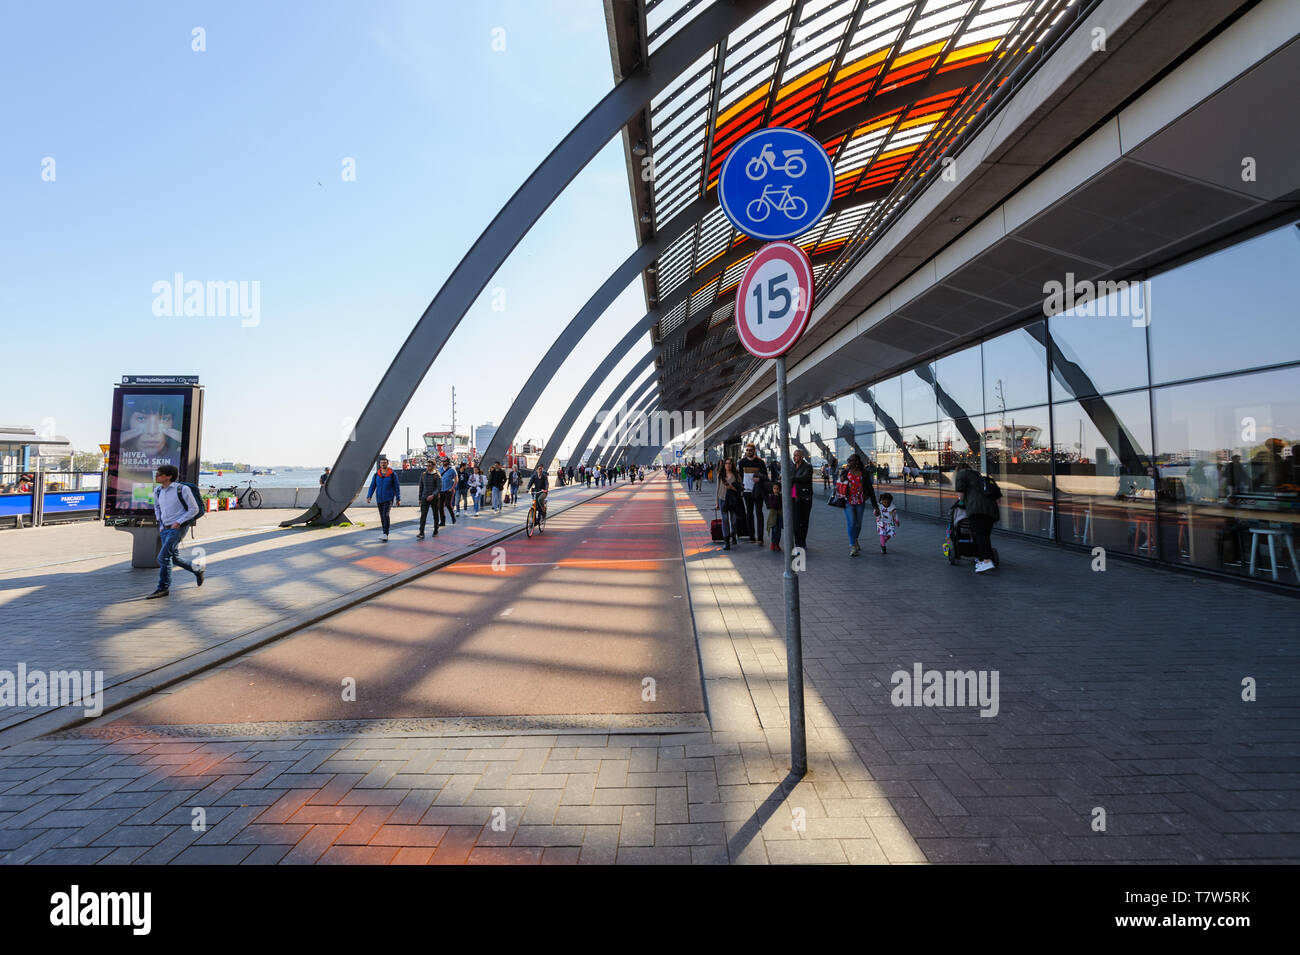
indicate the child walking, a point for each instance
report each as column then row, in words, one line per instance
column 886, row 520
column 775, row 515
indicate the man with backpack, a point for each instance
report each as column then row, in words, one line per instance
column 175, row 506
column 429, row 494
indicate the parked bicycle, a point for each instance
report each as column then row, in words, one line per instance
column 248, row 497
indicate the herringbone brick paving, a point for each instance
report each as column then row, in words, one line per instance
column 1119, row 691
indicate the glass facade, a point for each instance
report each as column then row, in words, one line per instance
column 1161, row 421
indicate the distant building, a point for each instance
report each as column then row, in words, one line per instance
column 483, row 436
column 23, row 448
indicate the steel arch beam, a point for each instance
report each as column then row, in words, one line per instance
column 611, row 435
column 616, row 354
column 648, row 392
column 650, row 399
column 581, row 323
column 511, row 224
column 584, row 443
column 624, row 448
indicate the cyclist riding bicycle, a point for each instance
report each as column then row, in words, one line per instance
column 538, row 485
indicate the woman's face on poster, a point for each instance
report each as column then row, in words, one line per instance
column 150, row 430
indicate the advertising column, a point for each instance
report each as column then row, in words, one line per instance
column 156, row 420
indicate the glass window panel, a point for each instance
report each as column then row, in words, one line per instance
column 1228, row 311
column 921, row 479
column 959, row 444
column 886, row 399
column 1100, row 348
column 918, row 394
column 1105, row 488
column 1019, row 459
column 1226, row 456
column 1015, row 369
column 961, row 379
column 887, row 459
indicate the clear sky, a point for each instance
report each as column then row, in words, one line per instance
column 227, row 165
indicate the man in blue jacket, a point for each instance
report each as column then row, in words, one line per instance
column 386, row 490
column 448, row 502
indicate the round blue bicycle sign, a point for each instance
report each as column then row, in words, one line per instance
column 776, row 183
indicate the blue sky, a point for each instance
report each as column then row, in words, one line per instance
column 225, row 165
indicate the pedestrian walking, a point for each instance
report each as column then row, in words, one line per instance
column 857, row 490
column 801, row 497
column 753, row 472
column 173, row 507
column 324, row 477
column 386, row 491
column 496, row 484
column 462, row 487
column 429, row 494
column 729, row 502
column 477, row 487
column 775, row 514
column 514, row 485
column 979, row 496
column 447, row 503
column 886, row 521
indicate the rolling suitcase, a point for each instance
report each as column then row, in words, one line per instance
column 715, row 529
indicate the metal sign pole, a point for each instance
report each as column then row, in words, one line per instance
column 793, row 631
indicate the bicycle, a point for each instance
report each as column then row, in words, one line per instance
column 536, row 519
column 249, row 498
column 794, row 207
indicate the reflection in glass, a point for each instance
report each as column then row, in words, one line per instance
column 921, row 458
column 959, row 446
column 1228, row 311
column 1228, row 484
column 960, row 378
column 1017, row 449
column 1015, row 369
column 1101, row 348
column 1105, row 483
column 918, row 394
column 887, row 396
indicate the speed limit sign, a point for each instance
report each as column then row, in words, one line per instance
column 774, row 299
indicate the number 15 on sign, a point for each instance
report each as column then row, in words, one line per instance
column 774, row 299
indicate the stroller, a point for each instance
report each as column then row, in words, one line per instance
column 960, row 542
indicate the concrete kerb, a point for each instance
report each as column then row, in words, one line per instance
column 132, row 690
column 728, row 702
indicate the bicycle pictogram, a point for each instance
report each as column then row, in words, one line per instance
column 794, row 166
column 779, row 199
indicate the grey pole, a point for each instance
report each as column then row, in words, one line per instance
column 793, row 633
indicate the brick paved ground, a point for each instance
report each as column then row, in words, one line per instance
column 71, row 599
column 1119, row 691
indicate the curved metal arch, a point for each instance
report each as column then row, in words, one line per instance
column 508, row 227
column 647, row 392
column 601, row 441
column 594, row 381
column 582, row 322
column 622, row 448
column 651, row 398
column 583, row 445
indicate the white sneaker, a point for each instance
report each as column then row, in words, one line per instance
column 983, row 565
column 383, row 537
